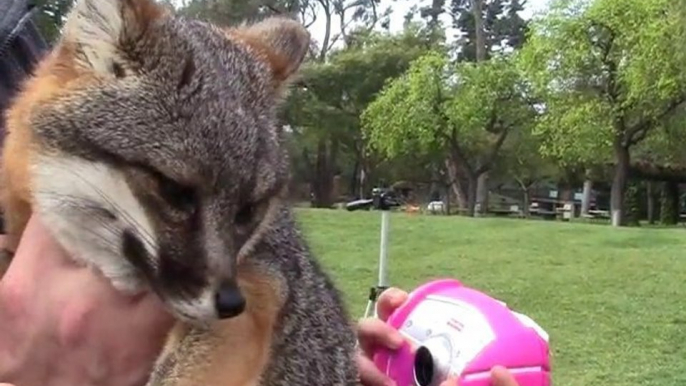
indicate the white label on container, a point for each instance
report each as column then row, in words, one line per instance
column 527, row 321
column 462, row 325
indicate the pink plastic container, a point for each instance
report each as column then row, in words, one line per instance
column 463, row 333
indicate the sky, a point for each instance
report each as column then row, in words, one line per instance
column 401, row 7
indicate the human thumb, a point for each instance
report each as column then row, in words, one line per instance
column 502, row 377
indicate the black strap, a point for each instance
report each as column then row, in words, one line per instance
column 14, row 15
column 21, row 46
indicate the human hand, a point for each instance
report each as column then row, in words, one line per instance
column 63, row 325
column 373, row 333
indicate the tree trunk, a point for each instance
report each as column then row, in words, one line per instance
column 564, row 192
column 526, row 195
column 435, row 187
column 354, row 179
column 669, row 212
column 477, row 11
column 650, row 195
column 632, row 212
column 461, row 195
column 322, row 183
column 527, row 201
column 586, row 197
column 456, row 184
column 363, row 181
column 447, row 200
column 622, row 158
column 482, row 193
column 472, row 183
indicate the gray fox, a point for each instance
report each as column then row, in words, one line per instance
column 149, row 144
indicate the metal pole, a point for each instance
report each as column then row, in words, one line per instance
column 382, row 283
column 383, row 250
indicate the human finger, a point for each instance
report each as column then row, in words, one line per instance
column 389, row 301
column 373, row 333
column 370, row 375
column 502, row 377
column 449, row 382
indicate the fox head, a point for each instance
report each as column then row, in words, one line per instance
column 158, row 155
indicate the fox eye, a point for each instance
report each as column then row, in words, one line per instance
column 118, row 70
column 179, row 196
column 245, row 214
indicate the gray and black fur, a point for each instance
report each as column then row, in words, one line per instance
column 314, row 344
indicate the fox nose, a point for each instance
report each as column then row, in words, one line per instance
column 229, row 301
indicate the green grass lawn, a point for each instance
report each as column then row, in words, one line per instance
column 612, row 300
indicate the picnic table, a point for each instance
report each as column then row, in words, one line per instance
column 595, row 213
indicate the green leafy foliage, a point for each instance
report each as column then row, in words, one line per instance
column 488, row 102
column 438, row 105
column 229, row 12
column 336, row 91
column 331, row 95
column 665, row 145
column 461, row 112
column 407, row 115
column 522, row 161
column 50, row 17
column 606, row 69
column 504, row 28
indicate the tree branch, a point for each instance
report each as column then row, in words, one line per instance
column 494, row 152
column 375, row 16
column 492, row 120
column 327, row 33
column 456, row 152
column 638, row 133
column 341, row 34
column 523, row 184
column 311, row 7
column 611, row 88
column 273, row 9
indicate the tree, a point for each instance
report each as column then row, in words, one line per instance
column 662, row 150
column 230, row 12
column 522, row 161
column 610, row 71
column 502, row 27
column 664, row 145
column 50, row 17
column 463, row 111
column 486, row 27
column 333, row 94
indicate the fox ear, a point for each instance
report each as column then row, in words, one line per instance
column 282, row 42
column 99, row 31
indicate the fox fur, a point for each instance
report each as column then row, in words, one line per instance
column 149, row 144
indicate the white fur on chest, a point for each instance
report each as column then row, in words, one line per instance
column 72, row 196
